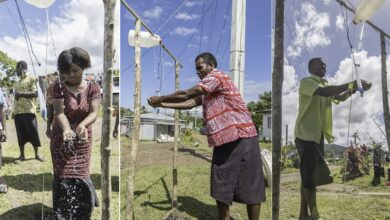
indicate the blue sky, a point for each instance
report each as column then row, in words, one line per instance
column 73, row 23
column 315, row 28
column 178, row 32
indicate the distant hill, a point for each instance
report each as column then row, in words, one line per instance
column 337, row 150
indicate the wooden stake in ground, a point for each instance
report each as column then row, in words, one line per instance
column 174, row 189
column 136, row 122
column 277, row 84
column 385, row 92
column 105, row 149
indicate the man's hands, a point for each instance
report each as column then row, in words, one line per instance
column 155, row 101
column 365, row 84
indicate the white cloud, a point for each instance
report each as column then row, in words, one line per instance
column 154, row 13
column 253, row 89
column 363, row 108
column 79, row 24
column 186, row 16
column 192, row 4
column 183, row 31
column 326, row 2
column 309, row 30
column 340, row 22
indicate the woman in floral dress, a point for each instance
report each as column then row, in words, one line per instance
column 76, row 104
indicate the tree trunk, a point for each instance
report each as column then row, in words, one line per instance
column 105, row 149
column 136, row 122
column 277, row 84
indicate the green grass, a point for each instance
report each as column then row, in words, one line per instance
column 30, row 181
column 153, row 192
column 153, row 188
column 339, row 200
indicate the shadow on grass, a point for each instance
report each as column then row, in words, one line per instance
column 189, row 205
column 33, row 182
column 8, row 160
column 29, row 182
column 96, row 179
column 195, row 154
column 29, row 212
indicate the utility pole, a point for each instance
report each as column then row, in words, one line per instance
column 237, row 44
column 105, row 148
column 136, row 122
column 277, row 85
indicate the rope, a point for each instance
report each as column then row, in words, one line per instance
column 345, row 18
column 170, row 17
column 27, row 39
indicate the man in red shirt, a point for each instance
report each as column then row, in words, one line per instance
column 236, row 172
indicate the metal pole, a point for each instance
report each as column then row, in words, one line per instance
column 136, row 123
column 237, row 44
column 385, row 92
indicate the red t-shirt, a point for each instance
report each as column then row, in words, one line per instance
column 225, row 113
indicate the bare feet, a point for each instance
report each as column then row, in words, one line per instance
column 19, row 159
column 37, row 157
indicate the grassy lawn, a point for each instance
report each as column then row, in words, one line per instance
column 153, row 183
column 30, row 181
column 355, row 199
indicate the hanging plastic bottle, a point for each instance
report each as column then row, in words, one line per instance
column 146, row 39
column 40, row 3
column 366, row 9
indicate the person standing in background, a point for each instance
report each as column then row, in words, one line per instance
column 25, row 107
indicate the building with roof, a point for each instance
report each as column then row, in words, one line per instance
column 154, row 127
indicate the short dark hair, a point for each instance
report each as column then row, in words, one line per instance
column 312, row 61
column 207, row 57
column 76, row 56
column 22, row 64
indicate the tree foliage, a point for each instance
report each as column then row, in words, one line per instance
column 126, row 112
column 7, row 70
column 256, row 108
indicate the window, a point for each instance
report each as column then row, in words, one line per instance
column 269, row 122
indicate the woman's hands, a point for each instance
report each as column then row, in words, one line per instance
column 68, row 135
column 82, row 133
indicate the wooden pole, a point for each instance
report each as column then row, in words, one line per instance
column 277, row 84
column 175, row 146
column 385, row 92
column 136, row 122
column 105, row 149
column 286, row 135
